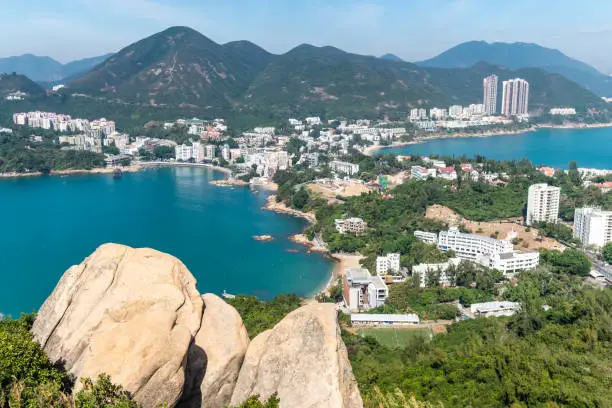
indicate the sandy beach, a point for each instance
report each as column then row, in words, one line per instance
column 75, row 172
column 266, row 185
column 343, row 261
column 177, row 164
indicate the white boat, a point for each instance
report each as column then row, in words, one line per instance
column 228, row 296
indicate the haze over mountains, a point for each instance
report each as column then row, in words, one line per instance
column 181, row 68
column 523, row 55
column 46, row 69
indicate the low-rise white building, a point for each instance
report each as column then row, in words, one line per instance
column 377, row 320
column 563, row 111
column 422, row 271
column 422, row 173
column 363, row 291
column 312, row 159
column 388, row 264
column 470, row 246
column 344, row 167
column 351, row 226
column 447, row 173
column 512, row 262
column 490, row 252
column 434, row 162
column 496, row 309
column 430, row 238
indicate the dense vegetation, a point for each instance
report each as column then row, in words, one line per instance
column 607, row 252
column 259, row 316
column 540, row 357
column 29, row 380
column 18, row 153
column 10, row 83
column 392, row 221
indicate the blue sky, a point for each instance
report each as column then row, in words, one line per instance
column 412, row 29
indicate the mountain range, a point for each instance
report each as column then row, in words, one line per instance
column 46, row 69
column 179, row 68
column 523, row 55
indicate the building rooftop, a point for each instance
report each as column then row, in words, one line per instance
column 378, row 283
column 357, row 275
column 455, row 231
column 392, row 318
column 494, row 306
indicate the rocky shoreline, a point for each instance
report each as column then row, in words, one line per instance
column 370, row 150
column 178, row 164
column 230, row 183
column 75, row 172
column 281, row 207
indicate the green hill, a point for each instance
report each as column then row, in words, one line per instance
column 178, row 67
column 10, row 83
column 328, row 80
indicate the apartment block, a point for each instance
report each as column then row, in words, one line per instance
column 543, row 204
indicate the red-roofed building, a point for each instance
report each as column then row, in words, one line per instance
column 447, row 173
column 604, row 187
column 467, row 167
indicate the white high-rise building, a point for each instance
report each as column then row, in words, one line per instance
column 210, row 151
column 490, row 95
column 515, row 97
column 183, row 152
column 592, row 226
column 198, row 152
column 543, row 204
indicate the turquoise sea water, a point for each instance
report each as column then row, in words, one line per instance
column 552, row 147
column 51, row 223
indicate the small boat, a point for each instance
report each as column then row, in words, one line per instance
column 228, row 296
column 117, row 173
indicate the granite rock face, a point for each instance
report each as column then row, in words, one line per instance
column 303, row 360
column 215, row 356
column 135, row 314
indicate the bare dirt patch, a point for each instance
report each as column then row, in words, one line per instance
column 330, row 189
column 527, row 239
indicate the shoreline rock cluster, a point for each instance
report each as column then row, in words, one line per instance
column 136, row 315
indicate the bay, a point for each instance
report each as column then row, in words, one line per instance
column 591, row 148
column 51, row 223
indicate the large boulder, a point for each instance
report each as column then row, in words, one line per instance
column 135, row 314
column 303, row 360
column 215, row 357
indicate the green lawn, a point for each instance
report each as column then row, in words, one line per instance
column 396, row 337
